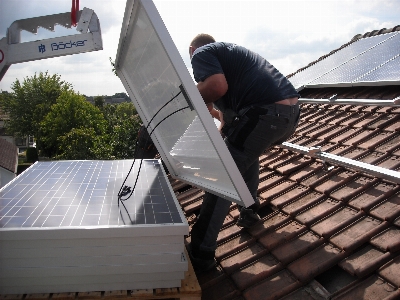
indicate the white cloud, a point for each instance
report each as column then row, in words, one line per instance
column 289, row 33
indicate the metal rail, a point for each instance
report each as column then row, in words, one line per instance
column 365, row 168
column 333, row 100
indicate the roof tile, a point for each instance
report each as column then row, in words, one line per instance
column 193, row 206
column 307, row 171
column 352, row 188
column 375, row 140
column 278, row 189
column 293, row 165
column 318, row 211
column 269, row 182
column 273, row 287
column 395, row 127
column 385, row 120
column 334, row 181
column 365, row 261
column 281, row 235
column 390, row 162
column 8, row 156
column 391, row 271
column 359, row 137
column 269, row 223
column 374, row 285
column 316, row 262
column 388, row 240
column 280, row 200
column 354, row 153
column 372, row 157
column 391, row 144
column 302, row 203
column 297, row 247
column 388, row 210
column 358, row 233
column 237, row 243
column 335, row 222
column 227, row 233
column 242, row 258
column 347, row 134
column 255, row 272
column 373, row 196
column 318, row 177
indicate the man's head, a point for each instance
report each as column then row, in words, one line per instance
column 200, row 40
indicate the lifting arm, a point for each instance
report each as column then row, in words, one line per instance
column 88, row 39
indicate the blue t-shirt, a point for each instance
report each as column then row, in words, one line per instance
column 252, row 80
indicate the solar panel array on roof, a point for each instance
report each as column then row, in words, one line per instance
column 363, row 62
column 160, row 86
column 63, row 230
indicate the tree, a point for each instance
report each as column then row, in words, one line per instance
column 75, row 129
column 123, row 126
column 99, row 102
column 29, row 101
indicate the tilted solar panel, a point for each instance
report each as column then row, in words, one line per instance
column 168, row 102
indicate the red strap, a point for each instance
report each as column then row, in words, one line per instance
column 74, row 10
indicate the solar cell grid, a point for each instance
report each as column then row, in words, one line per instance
column 363, row 63
column 84, row 193
column 337, row 59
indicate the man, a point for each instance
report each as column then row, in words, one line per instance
column 258, row 108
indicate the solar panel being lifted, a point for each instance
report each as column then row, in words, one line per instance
column 168, row 102
column 354, row 64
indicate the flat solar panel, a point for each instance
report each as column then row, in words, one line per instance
column 63, row 230
column 337, row 59
column 83, row 193
column 386, row 73
column 168, row 102
column 363, row 63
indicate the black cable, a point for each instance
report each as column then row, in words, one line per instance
column 124, row 190
column 134, row 154
column 140, row 166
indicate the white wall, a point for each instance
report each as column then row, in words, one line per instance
column 5, row 177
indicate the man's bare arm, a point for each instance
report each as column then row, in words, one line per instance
column 213, row 88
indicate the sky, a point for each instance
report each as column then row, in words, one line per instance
column 288, row 33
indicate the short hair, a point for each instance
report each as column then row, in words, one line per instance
column 201, row 40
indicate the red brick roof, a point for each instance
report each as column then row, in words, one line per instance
column 8, row 155
column 325, row 233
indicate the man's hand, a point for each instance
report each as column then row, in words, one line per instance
column 214, row 113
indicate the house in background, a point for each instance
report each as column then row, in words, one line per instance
column 8, row 162
column 330, row 196
column 21, row 143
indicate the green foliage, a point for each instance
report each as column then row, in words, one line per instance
column 73, row 117
column 123, row 126
column 99, row 102
column 29, row 101
column 83, row 143
column 113, row 66
column 31, row 155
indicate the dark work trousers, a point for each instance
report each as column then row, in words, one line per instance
column 258, row 129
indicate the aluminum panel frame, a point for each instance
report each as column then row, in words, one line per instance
column 163, row 73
